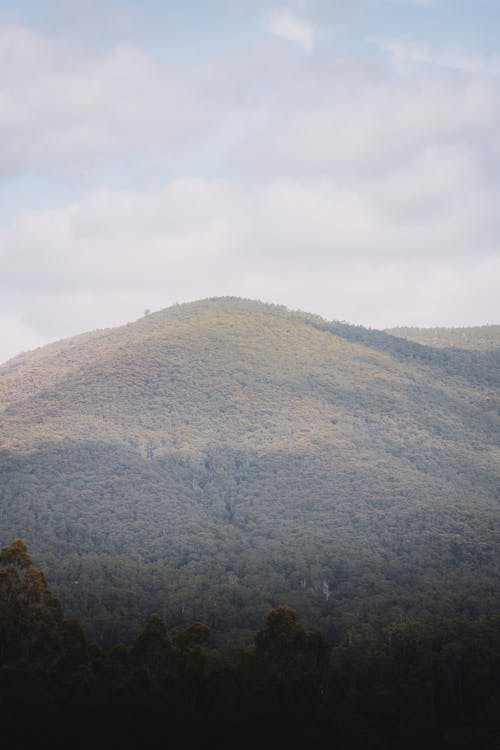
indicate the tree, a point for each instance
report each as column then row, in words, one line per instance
column 283, row 634
column 32, row 624
column 16, row 555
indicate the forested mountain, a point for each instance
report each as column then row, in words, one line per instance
column 216, row 459
column 479, row 338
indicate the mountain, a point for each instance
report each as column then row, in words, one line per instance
column 215, row 459
column 479, row 338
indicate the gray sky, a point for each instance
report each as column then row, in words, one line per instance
column 340, row 158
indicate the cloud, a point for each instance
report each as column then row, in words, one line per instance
column 286, row 24
column 378, row 252
column 403, row 50
column 365, row 192
column 58, row 104
column 17, row 336
column 366, row 124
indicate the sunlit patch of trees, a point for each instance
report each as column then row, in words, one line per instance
column 213, row 460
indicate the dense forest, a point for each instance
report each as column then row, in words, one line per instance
column 478, row 338
column 215, row 460
column 407, row 684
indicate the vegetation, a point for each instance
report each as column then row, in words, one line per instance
column 408, row 684
column 214, row 460
column 479, row 338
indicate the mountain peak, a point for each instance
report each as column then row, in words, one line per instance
column 272, row 446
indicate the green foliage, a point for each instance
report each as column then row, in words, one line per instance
column 16, row 555
column 214, row 459
column 479, row 338
column 282, row 634
column 409, row 684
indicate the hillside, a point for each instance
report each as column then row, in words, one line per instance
column 479, row 338
column 214, row 459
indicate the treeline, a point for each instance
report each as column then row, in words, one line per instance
column 408, row 684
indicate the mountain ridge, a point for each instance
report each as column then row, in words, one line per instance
column 231, row 446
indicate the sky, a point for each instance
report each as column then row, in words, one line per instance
column 341, row 158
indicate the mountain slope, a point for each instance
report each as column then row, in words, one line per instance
column 479, row 338
column 216, row 458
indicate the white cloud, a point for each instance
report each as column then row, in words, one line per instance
column 56, row 103
column 16, row 336
column 366, row 193
column 408, row 51
column 371, row 125
column 287, row 25
column 378, row 252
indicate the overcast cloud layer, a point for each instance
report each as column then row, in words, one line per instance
column 341, row 162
